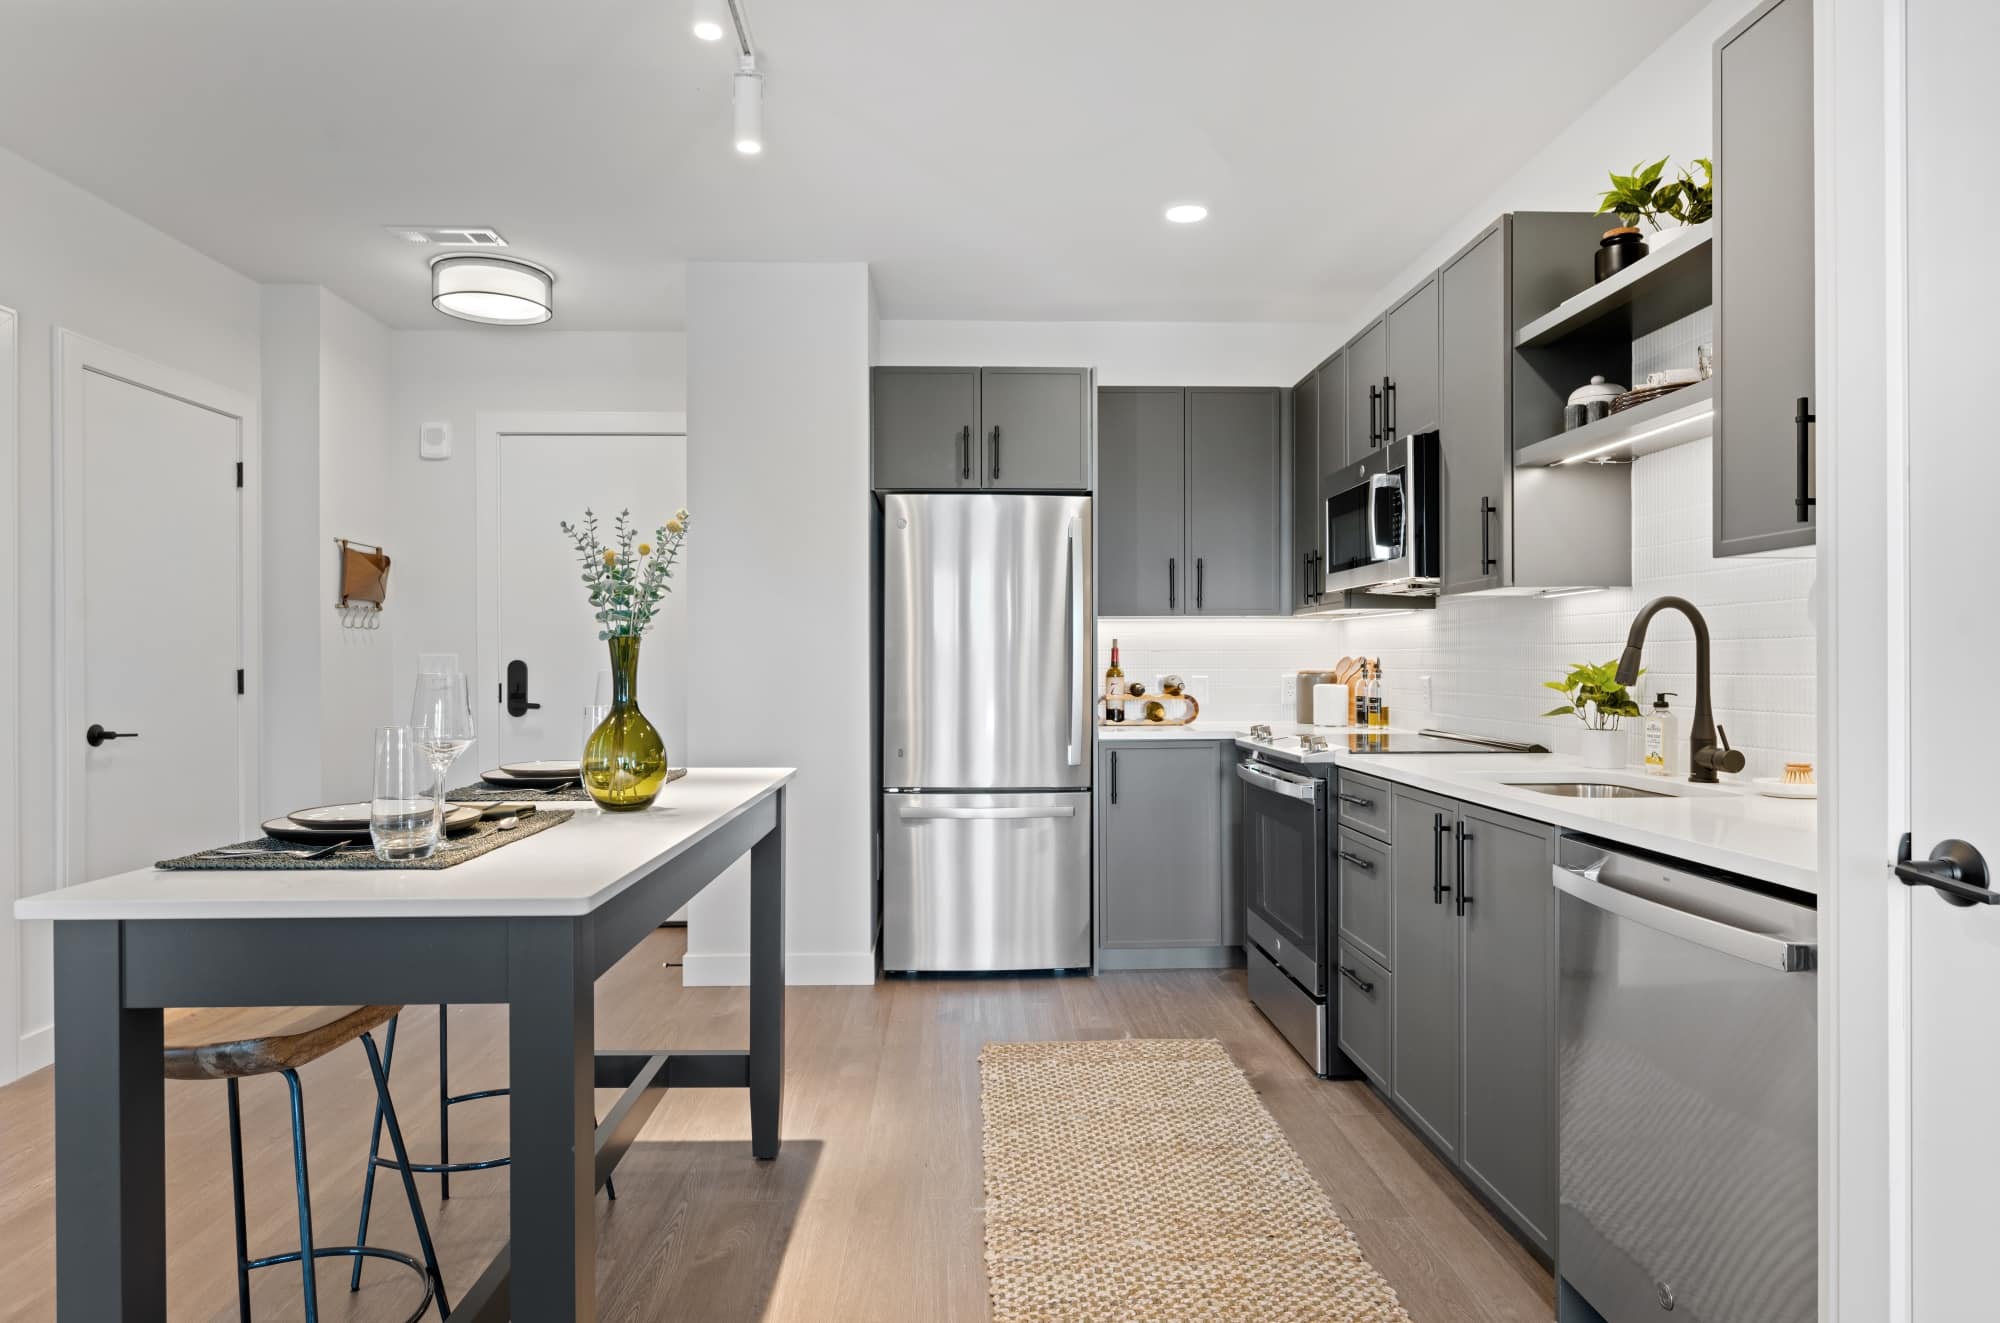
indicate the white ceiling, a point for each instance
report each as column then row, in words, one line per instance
column 990, row 158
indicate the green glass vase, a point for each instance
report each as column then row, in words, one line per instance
column 624, row 760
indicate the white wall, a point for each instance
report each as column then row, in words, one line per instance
column 453, row 376
column 68, row 259
column 778, row 582
column 1124, row 353
column 288, row 680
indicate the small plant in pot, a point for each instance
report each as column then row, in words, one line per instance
column 1595, row 698
column 1646, row 198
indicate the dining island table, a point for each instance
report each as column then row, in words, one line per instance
column 531, row 925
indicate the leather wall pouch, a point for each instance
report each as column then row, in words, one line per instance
column 364, row 574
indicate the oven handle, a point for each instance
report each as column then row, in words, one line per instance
column 1787, row 957
column 1303, row 788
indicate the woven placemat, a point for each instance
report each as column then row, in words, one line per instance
column 1142, row 1181
column 481, row 793
column 483, row 839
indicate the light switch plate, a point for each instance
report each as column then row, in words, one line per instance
column 434, row 441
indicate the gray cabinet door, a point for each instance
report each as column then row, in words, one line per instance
column 1035, row 428
column 1304, row 568
column 1141, row 529
column 1412, row 399
column 925, row 423
column 1764, row 308
column 1509, row 1007
column 1424, row 1042
column 1236, row 512
column 1335, row 420
column 1367, row 369
column 1475, row 353
column 1160, row 882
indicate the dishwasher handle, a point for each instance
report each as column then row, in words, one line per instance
column 1779, row 953
column 1302, row 788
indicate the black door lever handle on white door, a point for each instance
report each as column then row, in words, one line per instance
column 1955, row 870
column 97, row 735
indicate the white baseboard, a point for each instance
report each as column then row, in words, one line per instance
column 38, row 1049
column 802, row 969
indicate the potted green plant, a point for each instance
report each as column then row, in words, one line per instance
column 1593, row 696
column 1665, row 207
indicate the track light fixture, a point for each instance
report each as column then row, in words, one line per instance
column 749, row 100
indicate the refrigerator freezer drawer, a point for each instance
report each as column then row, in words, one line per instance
column 985, row 882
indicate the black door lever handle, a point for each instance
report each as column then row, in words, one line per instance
column 97, row 735
column 1955, row 870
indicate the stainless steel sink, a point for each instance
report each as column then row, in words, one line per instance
column 1590, row 790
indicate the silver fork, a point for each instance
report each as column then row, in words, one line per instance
column 320, row 852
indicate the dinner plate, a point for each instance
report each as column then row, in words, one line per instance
column 457, row 817
column 545, row 769
column 508, row 780
column 1779, row 788
column 332, row 816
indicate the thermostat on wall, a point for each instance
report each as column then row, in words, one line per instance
column 434, row 442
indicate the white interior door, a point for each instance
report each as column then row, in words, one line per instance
column 154, row 620
column 547, row 471
column 1953, row 633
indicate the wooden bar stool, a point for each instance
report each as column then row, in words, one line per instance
column 235, row 1043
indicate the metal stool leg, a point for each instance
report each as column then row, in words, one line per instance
column 388, row 1109
column 374, row 1151
column 444, row 1102
column 242, row 1229
column 307, row 1273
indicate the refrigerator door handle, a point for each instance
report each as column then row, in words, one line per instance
column 1076, row 681
column 924, row 813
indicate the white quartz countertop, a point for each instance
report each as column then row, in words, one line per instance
column 1727, row 826
column 569, row 869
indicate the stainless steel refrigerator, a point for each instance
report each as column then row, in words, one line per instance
column 987, row 667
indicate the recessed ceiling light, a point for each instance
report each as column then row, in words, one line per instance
column 499, row 291
column 1187, row 213
column 708, row 29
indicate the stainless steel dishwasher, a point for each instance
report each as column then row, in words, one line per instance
column 1687, row 1094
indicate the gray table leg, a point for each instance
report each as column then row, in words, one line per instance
column 553, row 1127
column 110, row 1099
column 767, row 986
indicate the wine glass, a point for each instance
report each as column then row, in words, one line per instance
column 441, row 718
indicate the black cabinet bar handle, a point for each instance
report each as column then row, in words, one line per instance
column 1374, row 403
column 1388, row 410
column 1200, row 581
column 1114, row 776
column 1359, row 861
column 1486, row 512
column 1464, row 899
column 1805, row 500
column 965, row 453
column 1437, row 858
column 996, row 452
column 1172, row 586
column 1356, row 979
column 1319, row 576
column 1305, row 576
column 1356, row 800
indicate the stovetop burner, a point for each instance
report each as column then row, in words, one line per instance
column 1367, row 740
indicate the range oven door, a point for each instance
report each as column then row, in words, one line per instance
column 1284, row 845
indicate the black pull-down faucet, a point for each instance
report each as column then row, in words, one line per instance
column 1708, row 747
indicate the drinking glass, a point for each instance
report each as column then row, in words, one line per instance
column 606, row 692
column 593, row 717
column 441, row 717
column 403, row 815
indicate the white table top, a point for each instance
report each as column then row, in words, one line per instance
column 570, row 869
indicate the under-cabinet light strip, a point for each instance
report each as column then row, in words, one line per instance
column 1634, row 439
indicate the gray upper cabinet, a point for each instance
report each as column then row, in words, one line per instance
column 1764, row 303
column 1035, row 426
column 1411, row 400
column 1424, row 940
column 1306, row 550
column 1236, row 511
column 1475, row 348
column 1509, row 995
column 1367, row 368
column 1334, row 419
column 1162, row 877
column 926, row 428
column 1141, row 527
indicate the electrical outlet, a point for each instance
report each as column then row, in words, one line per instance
column 1430, row 704
column 1288, row 687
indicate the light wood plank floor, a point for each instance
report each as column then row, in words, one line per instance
column 871, row 1213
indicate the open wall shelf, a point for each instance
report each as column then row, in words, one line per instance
column 1665, row 287
column 1671, row 420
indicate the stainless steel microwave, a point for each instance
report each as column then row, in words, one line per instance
column 1384, row 521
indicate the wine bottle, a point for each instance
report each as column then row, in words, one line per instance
column 1114, row 687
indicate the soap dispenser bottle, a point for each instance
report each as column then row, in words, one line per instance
column 1662, row 738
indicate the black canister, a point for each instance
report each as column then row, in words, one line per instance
column 1617, row 250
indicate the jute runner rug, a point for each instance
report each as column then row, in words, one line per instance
column 1141, row 1181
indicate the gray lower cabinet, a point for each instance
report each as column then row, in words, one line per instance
column 1410, row 403
column 1035, row 423
column 1361, row 878
column 1764, row 298
column 1367, row 368
column 1424, row 942
column 1365, row 1012
column 1163, row 875
column 1306, row 549
column 1507, row 1143
column 1236, row 501
column 1472, row 412
column 1140, row 514
column 925, row 424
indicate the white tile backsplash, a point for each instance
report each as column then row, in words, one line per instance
column 1488, row 656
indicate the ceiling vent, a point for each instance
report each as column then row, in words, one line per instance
column 450, row 236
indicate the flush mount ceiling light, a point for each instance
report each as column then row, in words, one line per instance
column 498, row 291
column 1187, row 213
